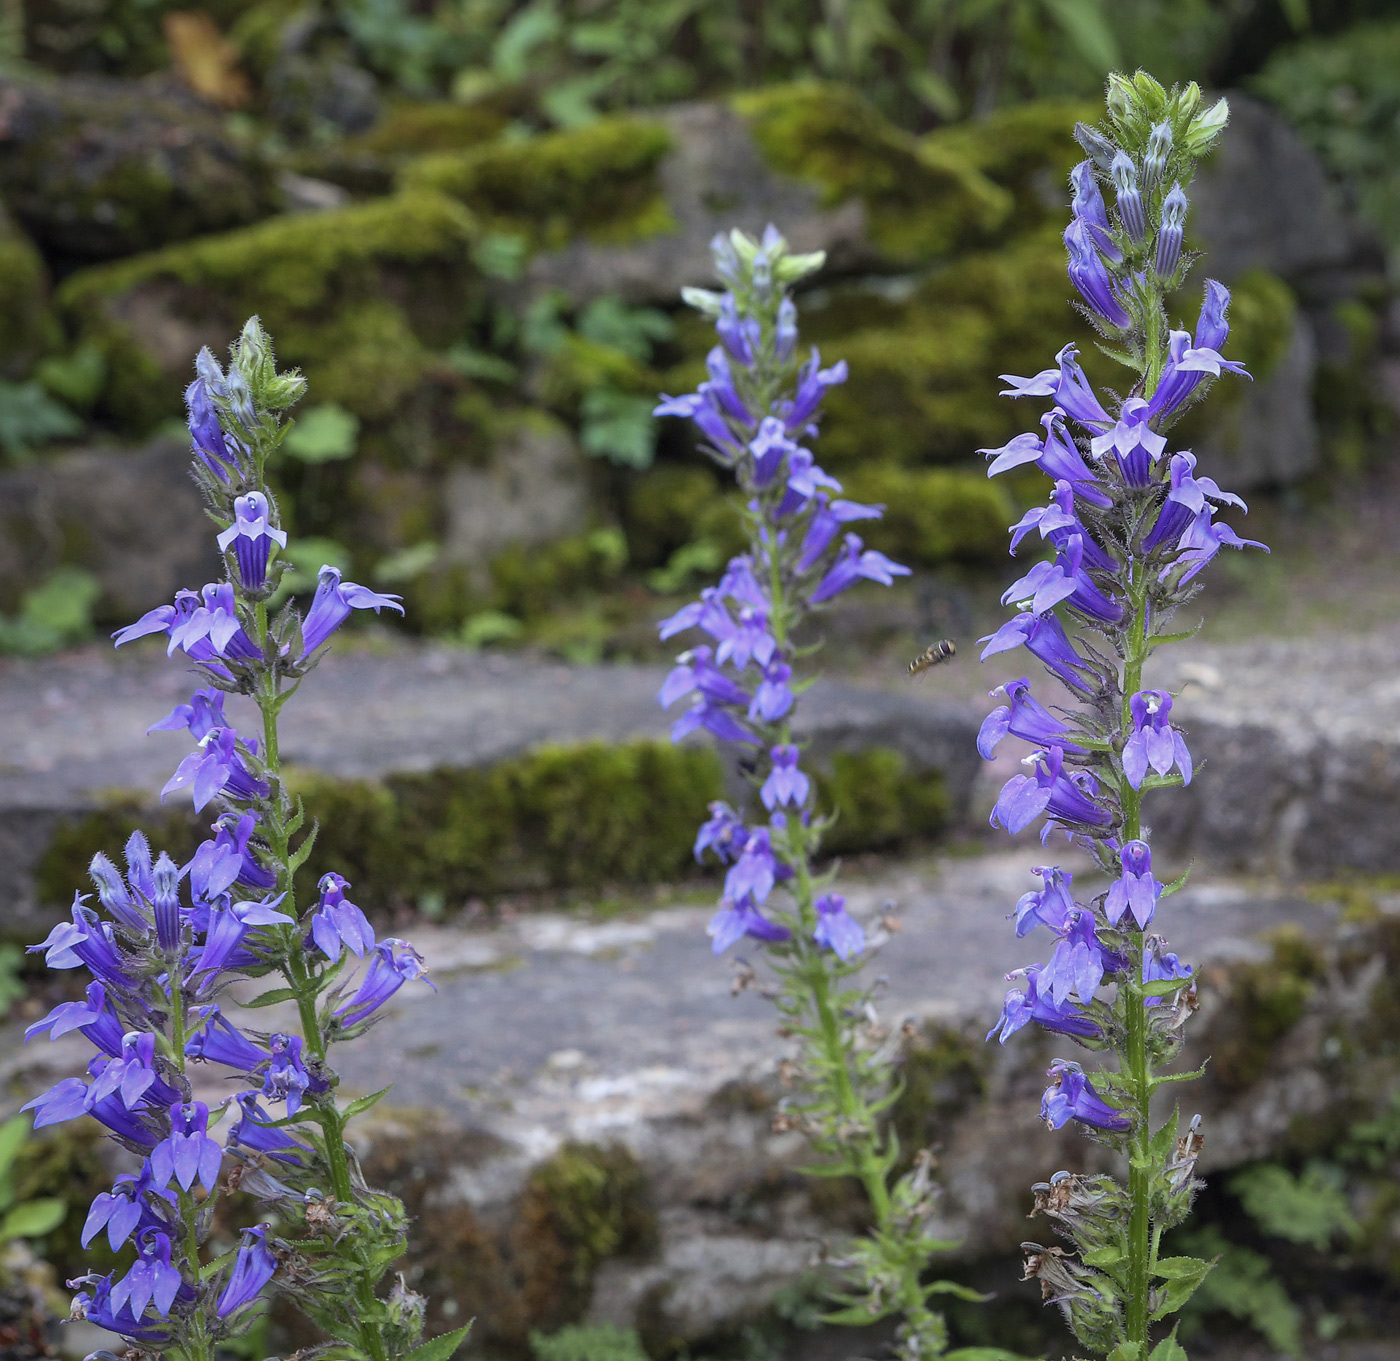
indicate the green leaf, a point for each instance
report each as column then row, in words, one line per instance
column 983, row 1354
column 271, row 998
column 363, row 1103
column 1104, row 1256
column 1180, row 1288
column 1178, row 884
column 1180, row 1268
column 1087, row 28
column 33, row 1219
column 1168, row 1349
column 962, row 1292
column 323, row 434
column 857, row 1316
column 13, row 1133
column 440, row 1348
column 1126, row 1351
column 1164, row 987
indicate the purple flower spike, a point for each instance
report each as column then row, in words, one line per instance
column 724, row 834
column 1071, row 1096
column 734, row 920
column 337, row 921
column 253, row 1130
column 1154, row 741
column 251, row 537
column 187, row 1154
column 218, row 1040
column 856, row 562
column 785, row 783
column 215, row 767
column 836, row 929
column 394, row 963
column 1091, row 279
column 1025, row 718
column 253, row 1268
column 96, row 1018
column 1049, row 906
column 135, row 1203
column 1135, row 892
column 331, row 606
column 207, row 437
column 201, row 715
column 286, row 1078
column 1030, row 1003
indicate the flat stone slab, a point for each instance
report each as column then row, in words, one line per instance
column 550, row 1028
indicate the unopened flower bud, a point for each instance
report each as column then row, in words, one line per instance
column 1159, row 149
column 1130, row 209
column 1169, row 238
column 1096, row 146
column 1206, row 128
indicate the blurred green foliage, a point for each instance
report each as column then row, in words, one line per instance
column 54, row 614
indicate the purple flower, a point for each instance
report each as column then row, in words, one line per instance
column 96, row 1018
column 769, row 448
column 253, row 1268
column 735, row 920
column 187, row 1153
column 740, row 336
column 1135, row 891
column 1203, row 539
column 1154, row 742
column 394, row 963
column 1136, row 447
column 1212, row 330
column 96, row 1307
column 1044, row 637
column 1159, row 965
column 253, row 1130
column 251, row 537
column 165, row 903
column 836, row 929
column 215, row 767
column 1066, row 796
column 201, row 715
column 806, row 480
column 218, row 1040
column 207, row 436
column 337, row 921
column 130, row 1074
column 229, row 925
column 856, row 562
column 752, row 874
column 694, row 670
column 214, row 869
column 773, row 698
column 332, row 604
column 1067, row 385
column 212, row 628
column 151, row 1281
column 720, row 391
column 1079, row 962
column 1029, row 1003
column 1071, row 1096
column 1189, row 495
column 714, row 719
column 88, row 941
column 1048, row 584
column 1056, row 523
column 825, row 525
column 724, row 834
column 286, row 1078
column 1169, row 237
column 812, row 383
column 785, row 782
column 131, row 1205
column 71, row 1098
column 1025, row 718
column 127, row 905
column 1092, row 280
column 1050, row 905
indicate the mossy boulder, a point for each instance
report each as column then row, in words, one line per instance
column 100, row 168
column 358, row 298
column 598, row 181
column 922, row 199
column 28, row 325
column 934, row 515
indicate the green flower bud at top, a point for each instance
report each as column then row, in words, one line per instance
column 1188, row 101
column 1121, row 103
column 283, row 390
column 1206, row 128
column 1100, row 149
column 1150, row 98
column 789, row 268
column 703, row 300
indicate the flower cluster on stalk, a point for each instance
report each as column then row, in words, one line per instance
column 757, row 413
column 165, row 942
column 1128, row 526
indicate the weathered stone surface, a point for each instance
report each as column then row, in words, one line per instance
column 552, row 1028
column 535, row 489
column 96, row 168
column 131, row 517
column 73, row 727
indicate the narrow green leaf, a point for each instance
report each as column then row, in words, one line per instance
column 271, row 998
column 439, row 1348
column 1178, row 884
column 1178, row 1077
column 362, row 1104
column 1176, row 1292
column 963, row 1292
column 1104, row 1256
column 983, row 1354
column 13, row 1133
column 1180, row 1268
column 1126, row 1351
column 1164, row 987
column 856, row 1317
column 33, row 1219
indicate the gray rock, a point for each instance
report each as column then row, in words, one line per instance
column 96, row 168
column 534, row 489
column 713, row 179
column 132, row 517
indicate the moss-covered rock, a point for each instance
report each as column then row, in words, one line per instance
column 922, row 199
column 28, row 325
column 934, row 515
column 880, row 802
column 597, row 181
column 100, row 168
column 355, row 297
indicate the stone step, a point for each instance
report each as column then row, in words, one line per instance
column 553, row 1030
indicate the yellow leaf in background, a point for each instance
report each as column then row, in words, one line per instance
column 206, row 60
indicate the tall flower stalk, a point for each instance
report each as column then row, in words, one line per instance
column 172, row 941
column 1131, row 525
column 757, row 412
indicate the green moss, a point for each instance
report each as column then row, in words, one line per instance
column 598, row 181
column 942, row 1071
column 1028, row 149
column 671, row 505
column 67, row 1162
column 881, row 803
column 527, row 581
column 934, row 515
column 580, row 1207
column 436, row 126
column 1266, row 1000
column 922, row 199
column 28, row 327
column 352, row 296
